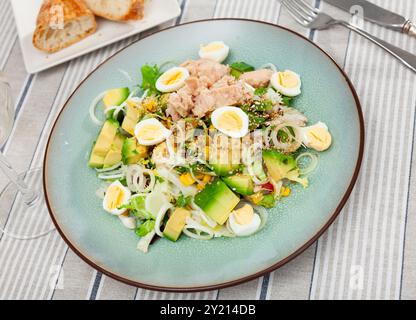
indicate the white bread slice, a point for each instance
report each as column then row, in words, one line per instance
column 77, row 21
column 118, row 10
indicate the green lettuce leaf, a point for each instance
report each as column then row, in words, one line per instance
column 145, row 228
column 150, row 74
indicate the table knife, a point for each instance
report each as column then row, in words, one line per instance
column 376, row 14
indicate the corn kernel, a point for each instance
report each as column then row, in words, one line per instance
column 199, row 176
column 186, row 179
column 200, row 186
column 256, row 198
column 206, row 178
column 285, row 191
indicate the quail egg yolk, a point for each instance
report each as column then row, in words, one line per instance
column 212, row 47
column 149, row 132
column 230, row 121
column 172, row 77
column 319, row 138
column 288, row 80
column 115, row 195
column 244, row 215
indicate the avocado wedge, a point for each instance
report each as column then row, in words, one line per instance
column 175, row 224
column 217, row 201
column 115, row 97
column 281, row 166
column 132, row 152
column 114, row 155
column 240, row 183
column 103, row 144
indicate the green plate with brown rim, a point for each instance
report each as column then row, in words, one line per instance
column 193, row 265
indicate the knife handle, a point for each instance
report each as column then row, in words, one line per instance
column 410, row 28
column 405, row 57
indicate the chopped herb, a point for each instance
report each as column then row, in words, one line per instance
column 182, row 170
column 262, row 106
column 183, row 201
column 149, row 164
column 162, row 105
column 286, row 100
column 150, row 74
column 236, row 74
column 283, row 136
column 241, row 66
column 137, row 208
column 145, row 228
column 257, row 113
column 255, row 121
column 260, row 91
column 238, row 68
column 159, row 179
column 199, row 168
column 268, row 201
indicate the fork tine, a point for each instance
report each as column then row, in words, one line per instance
column 300, row 21
column 294, row 12
column 307, row 5
column 295, row 9
column 305, row 8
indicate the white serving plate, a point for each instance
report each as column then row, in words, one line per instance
column 25, row 12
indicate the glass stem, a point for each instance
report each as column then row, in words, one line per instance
column 29, row 196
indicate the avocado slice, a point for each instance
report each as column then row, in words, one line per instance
column 96, row 161
column 116, row 97
column 223, row 165
column 114, row 155
column 175, row 224
column 133, row 115
column 240, row 183
column 268, row 201
column 103, row 144
column 217, row 200
column 281, row 166
column 128, row 125
column 132, row 152
column 225, row 169
column 221, row 156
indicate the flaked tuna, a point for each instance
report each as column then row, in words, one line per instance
column 257, row 79
column 207, row 71
column 209, row 86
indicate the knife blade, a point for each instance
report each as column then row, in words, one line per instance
column 376, row 14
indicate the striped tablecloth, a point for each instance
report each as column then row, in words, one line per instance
column 368, row 253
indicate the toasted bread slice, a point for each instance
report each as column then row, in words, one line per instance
column 62, row 23
column 117, row 10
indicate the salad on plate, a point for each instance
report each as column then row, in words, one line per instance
column 202, row 148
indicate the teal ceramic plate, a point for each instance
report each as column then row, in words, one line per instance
column 191, row 265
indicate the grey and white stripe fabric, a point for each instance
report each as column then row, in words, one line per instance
column 368, row 253
column 8, row 33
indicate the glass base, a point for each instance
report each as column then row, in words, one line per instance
column 20, row 220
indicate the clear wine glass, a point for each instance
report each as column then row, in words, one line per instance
column 23, row 212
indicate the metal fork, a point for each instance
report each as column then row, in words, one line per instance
column 313, row 18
